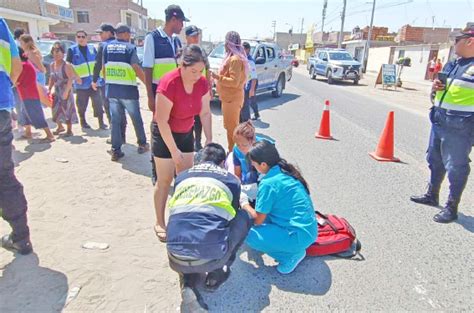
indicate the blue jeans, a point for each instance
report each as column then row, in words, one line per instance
column 451, row 140
column 117, row 108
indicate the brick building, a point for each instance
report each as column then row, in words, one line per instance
column 363, row 34
column 89, row 14
column 411, row 34
column 31, row 15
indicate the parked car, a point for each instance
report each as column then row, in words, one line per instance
column 335, row 64
column 273, row 69
column 140, row 52
column 45, row 45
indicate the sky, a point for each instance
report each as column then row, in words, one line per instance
column 254, row 18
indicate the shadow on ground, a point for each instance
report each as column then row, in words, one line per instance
column 250, row 283
column 27, row 287
column 136, row 163
column 466, row 221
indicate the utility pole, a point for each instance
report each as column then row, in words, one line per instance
column 274, row 30
column 325, row 5
column 341, row 34
column 302, row 22
column 367, row 43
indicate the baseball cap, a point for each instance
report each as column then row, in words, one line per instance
column 468, row 31
column 175, row 10
column 105, row 27
column 122, row 28
column 191, row 31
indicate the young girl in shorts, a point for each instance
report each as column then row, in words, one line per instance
column 284, row 218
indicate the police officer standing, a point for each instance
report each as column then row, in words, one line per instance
column 192, row 38
column 452, row 129
column 12, row 199
column 162, row 49
column 122, row 67
column 107, row 34
column 82, row 58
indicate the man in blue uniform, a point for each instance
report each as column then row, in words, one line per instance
column 82, row 58
column 161, row 51
column 250, row 99
column 206, row 226
column 107, row 34
column 12, row 199
column 452, row 130
column 122, row 67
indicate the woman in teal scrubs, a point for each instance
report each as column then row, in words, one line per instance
column 284, row 218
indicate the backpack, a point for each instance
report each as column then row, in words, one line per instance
column 336, row 237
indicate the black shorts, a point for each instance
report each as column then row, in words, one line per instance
column 184, row 141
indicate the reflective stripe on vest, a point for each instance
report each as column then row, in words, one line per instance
column 84, row 69
column 5, row 57
column 202, row 195
column 459, row 96
column 161, row 67
column 120, row 73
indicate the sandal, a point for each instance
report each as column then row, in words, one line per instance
column 216, row 278
column 58, row 131
column 47, row 140
column 160, row 233
column 25, row 137
column 68, row 134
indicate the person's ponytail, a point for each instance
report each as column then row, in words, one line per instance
column 294, row 172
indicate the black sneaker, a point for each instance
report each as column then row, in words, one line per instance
column 143, row 148
column 103, row 126
column 116, row 155
column 23, row 247
column 86, row 126
column 191, row 301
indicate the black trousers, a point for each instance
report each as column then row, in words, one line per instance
column 239, row 228
column 82, row 101
column 197, row 132
column 12, row 199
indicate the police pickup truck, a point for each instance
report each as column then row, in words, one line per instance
column 334, row 64
column 273, row 68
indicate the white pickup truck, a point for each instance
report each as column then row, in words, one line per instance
column 273, row 69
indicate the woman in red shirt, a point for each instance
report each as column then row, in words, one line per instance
column 181, row 94
column 32, row 111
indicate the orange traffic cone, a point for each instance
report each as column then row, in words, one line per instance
column 325, row 126
column 384, row 150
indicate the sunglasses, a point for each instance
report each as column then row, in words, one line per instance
column 461, row 38
column 80, row 36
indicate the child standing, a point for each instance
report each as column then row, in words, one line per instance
column 284, row 218
column 31, row 110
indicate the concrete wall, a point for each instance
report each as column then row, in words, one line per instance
column 377, row 57
column 27, row 6
column 419, row 61
column 285, row 39
column 35, row 27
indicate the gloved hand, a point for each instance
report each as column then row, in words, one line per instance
column 250, row 190
column 244, row 199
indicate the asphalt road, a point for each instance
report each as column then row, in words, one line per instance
column 411, row 263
